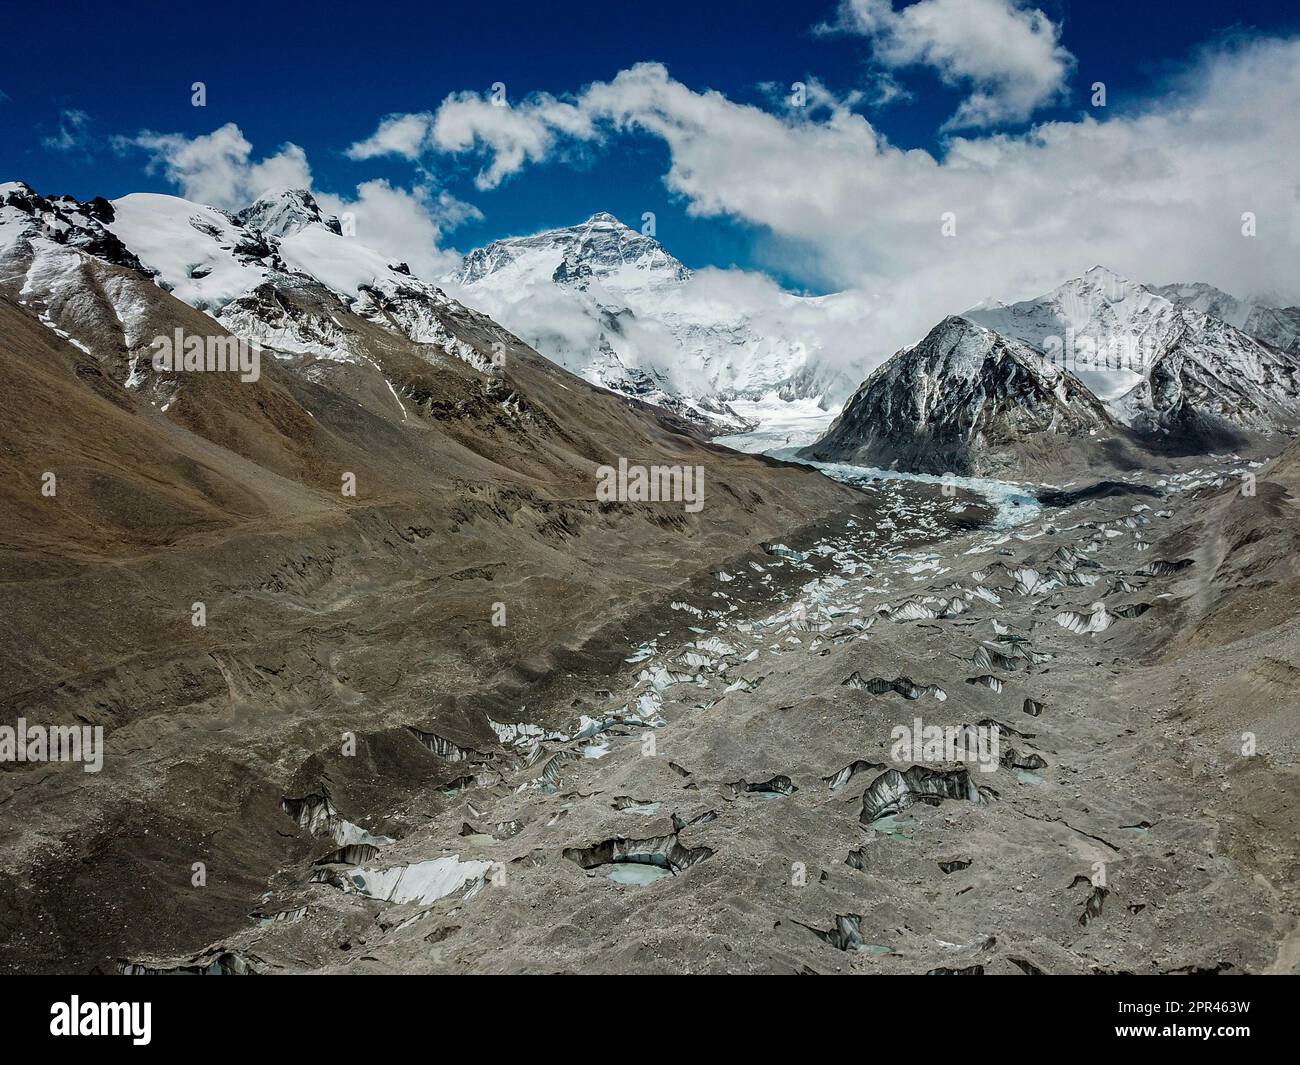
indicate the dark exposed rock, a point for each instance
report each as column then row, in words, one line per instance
column 777, row 785
column 1100, row 490
column 1013, row 759
column 352, row 854
column 444, row 748
column 893, row 791
column 1092, row 905
column 904, row 686
column 663, row 851
column 1161, row 568
column 680, row 824
column 845, row 935
column 66, row 221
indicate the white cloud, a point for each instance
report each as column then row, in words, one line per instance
column 72, row 134
column 217, row 168
column 1156, row 192
column 510, row 135
column 406, row 224
column 404, row 135
column 1006, row 53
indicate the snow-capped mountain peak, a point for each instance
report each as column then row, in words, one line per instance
column 26, row 215
column 208, row 257
column 286, row 212
column 1206, row 299
column 601, row 248
column 298, row 287
column 599, row 298
column 202, row 255
column 613, row 305
column 1079, row 321
column 1096, row 303
column 1020, row 386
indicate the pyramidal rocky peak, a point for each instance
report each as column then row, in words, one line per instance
column 1099, row 369
column 602, row 247
column 961, row 400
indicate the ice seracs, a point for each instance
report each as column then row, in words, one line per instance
column 421, row 882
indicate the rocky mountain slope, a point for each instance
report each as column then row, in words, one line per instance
column 614, row 306
column 1279, row 326
column 966, row 400
column 1171, row 370
column 398, row 513
column 1099, row 371
column 1213, row 387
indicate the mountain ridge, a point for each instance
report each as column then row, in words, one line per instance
column 1163, row 367
column 1156, row 377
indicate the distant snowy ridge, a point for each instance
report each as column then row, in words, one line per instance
column 1162, row 364
column 1279, row 326
column 1096, row 369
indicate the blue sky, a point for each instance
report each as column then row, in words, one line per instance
column 322, row 75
